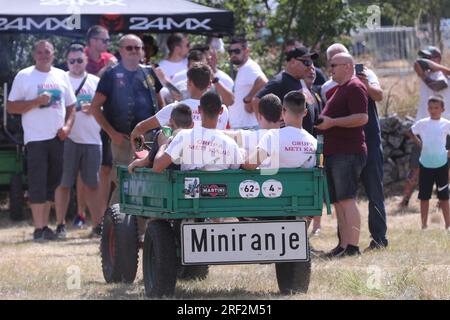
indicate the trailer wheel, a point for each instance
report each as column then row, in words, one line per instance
column 159, row 259
column 16, row 198
column 119, row 246
column 293, row 277
column 193, row 272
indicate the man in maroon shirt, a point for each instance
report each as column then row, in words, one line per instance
column 345, row 150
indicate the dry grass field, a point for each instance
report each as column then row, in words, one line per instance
column 415, row 266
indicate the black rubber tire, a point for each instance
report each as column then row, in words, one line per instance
column 159, row 260
column 16, row 198
column 119, row 246
column 193, row 272
column 293, row 277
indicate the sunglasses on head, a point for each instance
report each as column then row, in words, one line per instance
column 105, row 41
column 235, row 51
column 306, row 63
column 131, row 48
column 78, row 60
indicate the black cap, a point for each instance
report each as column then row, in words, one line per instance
column 430, row 52
column 301, row 52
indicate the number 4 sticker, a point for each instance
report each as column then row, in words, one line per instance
column 249, row 189
column 272, row 188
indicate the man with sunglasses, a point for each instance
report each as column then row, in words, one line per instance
column 99, row 59
column 44, row 97
column 345, row 150
column 299, row 63
column 249, row 80
column 372, row 173
column 129, row 93
column 83, row 147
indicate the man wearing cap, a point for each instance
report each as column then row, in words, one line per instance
column 299, row 63
column 433, row 80
column 249, row 80
column 320, row 77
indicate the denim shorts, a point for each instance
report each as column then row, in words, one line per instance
column 343, row 171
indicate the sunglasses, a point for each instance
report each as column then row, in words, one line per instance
column 105, row 41
column 235, row 51
column 306, row 63
column 78, row 60
column 130, row 48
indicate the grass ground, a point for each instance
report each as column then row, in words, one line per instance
column 415, row 266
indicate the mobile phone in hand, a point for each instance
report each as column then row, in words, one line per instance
column 359, row 68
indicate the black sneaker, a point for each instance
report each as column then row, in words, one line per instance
column 96, row 231
column 376, row 245
column 335, row 253
column 38, row 236
column 61, row 232
column 351, row 251
column 48, row 234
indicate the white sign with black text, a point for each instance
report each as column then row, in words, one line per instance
column 244, row 242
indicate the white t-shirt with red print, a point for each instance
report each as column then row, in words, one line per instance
column 204, row 149
column 289, row 147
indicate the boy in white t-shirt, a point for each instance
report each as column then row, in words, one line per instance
column 199, row 82
column 203, row 147
column 180, row 118
column 268, row 117
column 433, row 159
column 288, row 147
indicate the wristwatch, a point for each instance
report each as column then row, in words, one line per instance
column 215, row 80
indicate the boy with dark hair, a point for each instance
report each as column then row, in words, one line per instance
column 203, row 147
column 288, row 147
column 433, row 132
column 180, row 118
column 199, row 80
column 268, row 117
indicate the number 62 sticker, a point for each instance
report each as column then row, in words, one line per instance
column 249, row 189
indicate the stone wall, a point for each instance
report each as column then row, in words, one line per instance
column 396, row 147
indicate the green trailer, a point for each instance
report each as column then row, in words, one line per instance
column 201, row 218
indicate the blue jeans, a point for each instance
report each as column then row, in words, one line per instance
column 372, row 179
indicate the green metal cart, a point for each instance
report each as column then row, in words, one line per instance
column 186, row 230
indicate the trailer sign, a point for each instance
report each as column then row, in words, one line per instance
column 244, row 242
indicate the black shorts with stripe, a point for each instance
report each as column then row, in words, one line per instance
column 428, row 177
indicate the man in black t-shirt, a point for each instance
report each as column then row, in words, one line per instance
column 129, row 93
column 299, row 63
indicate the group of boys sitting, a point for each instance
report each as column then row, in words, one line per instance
column 199, row 139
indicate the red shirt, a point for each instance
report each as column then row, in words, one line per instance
column 349, row 98
column 93, row 66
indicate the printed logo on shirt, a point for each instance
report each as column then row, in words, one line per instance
column 301, row 146
column 54, row 92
